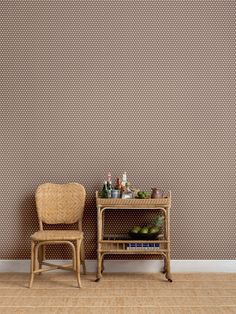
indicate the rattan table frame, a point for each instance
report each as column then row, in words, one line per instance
column 105, row 247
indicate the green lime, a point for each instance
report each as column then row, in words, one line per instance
column 153, row 230
column 144, row 230
column 136, row 229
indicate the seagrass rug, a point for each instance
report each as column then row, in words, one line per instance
column 118, row 293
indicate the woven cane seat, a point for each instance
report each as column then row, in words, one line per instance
column 57, row 235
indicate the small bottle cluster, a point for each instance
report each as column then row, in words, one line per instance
column 120, row 188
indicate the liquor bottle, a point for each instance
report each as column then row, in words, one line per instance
column 105, row 190
column 127, row 193
column 109, row 178
column 127, row 187
column 109, row 189
column 124, row 181
column 118, row 184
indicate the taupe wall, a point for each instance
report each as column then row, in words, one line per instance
column 145, row 87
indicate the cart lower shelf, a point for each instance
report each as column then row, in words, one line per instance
column 122, row 244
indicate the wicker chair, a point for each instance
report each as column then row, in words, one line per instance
column 58, row 204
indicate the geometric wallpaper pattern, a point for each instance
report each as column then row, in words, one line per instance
column 146, row 87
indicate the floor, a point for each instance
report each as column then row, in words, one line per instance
column 118, row 293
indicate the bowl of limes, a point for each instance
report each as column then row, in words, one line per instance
column 144, row 233
column 143, row 195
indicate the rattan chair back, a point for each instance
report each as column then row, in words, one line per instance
column 60, row 203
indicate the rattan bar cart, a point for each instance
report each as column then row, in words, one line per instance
column 110, row 244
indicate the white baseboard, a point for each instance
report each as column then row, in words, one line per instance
column 136, row 266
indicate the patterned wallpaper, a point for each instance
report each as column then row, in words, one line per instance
column 146, row 87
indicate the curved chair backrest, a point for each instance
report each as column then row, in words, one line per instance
column 60, row 203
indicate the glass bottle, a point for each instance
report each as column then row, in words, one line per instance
column 109, row 189
column 118, row 184
column 105, row 190
column 109, row 178
column 127, row 193
column 124, row 181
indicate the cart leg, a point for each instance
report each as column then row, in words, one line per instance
column 164, row 261
column 168, row 275
column 102, row 267
column 99, row 267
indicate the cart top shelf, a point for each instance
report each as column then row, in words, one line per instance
column 133, row 202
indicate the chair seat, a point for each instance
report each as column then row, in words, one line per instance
column 57, row 235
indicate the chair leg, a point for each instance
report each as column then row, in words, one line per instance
column 41, row 256
column 32, row 264
column 82, row 254
column 36, row 257
column 74, row 256
column 78, row 247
